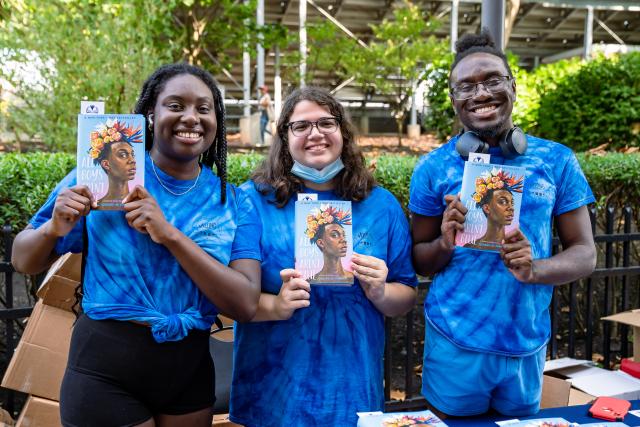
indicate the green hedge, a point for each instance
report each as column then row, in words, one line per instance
column 27, row 179
column 600, row 103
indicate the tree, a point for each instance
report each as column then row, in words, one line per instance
column 94, row 49
column 394, row 64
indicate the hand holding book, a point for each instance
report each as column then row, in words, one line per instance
column 71, row 204
column 294, row 294
column 517, row 257
column 144, row 215
column 452, row 220
column 371, row 272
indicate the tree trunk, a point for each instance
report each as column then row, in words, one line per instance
column 399, row 124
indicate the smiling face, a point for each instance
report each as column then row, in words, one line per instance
column 499, row 210
column 333, row 241
column 120, row 162
column 314, row 150
column 488, row 114
column 184, row 120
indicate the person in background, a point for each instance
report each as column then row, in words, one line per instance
column 266, row 112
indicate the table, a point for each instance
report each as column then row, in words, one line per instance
column 576, row 414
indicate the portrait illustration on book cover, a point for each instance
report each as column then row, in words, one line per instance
column 324, row 242
column 110, row 156
column 493, row 196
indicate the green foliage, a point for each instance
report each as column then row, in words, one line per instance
column 598, row 104
column 103, row 50
column 240, row 166
column 439, row 117
column 27, row 179
column 25, row 182
column 531, row 86
column 396, row 58
column 328, row 49
column 394, row 173
column 614, row 178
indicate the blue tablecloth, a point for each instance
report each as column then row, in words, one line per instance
column 576, row 414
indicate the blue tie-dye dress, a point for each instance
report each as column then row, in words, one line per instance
column 475, row 301
column 130, row 277
column 325, row 363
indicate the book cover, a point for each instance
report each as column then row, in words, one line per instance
column 324, row 242
column 493, row 196
column 400, row 419
column 110, row 156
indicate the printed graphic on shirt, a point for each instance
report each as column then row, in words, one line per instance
column 493, row 196
column 324, row 242
column 110, row 156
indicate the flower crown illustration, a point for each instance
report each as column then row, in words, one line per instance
column 325, row 215
column 109, row 132
column 496, row 180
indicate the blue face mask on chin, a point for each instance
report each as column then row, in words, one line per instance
column 317, row 176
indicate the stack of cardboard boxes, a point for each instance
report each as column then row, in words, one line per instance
column 39, row 361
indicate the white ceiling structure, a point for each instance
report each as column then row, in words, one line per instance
column 544, row 30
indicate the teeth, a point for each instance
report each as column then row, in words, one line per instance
column 485, row 109
column 192, row 135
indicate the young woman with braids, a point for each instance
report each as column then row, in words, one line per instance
column 312, row 355
column 157, row 274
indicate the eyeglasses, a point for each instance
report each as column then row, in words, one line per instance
column 325, row 126
column 469, row 90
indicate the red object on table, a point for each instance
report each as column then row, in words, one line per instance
column 609, row 408
column 630, row 367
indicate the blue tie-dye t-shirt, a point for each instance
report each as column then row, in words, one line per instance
column 475, row 301
column 324, row 364
column 130, row 277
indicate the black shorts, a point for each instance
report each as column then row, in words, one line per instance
column 118, row 375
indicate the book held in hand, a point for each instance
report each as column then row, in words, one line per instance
column 110, row 156
column 493, row 196
column 324, row 241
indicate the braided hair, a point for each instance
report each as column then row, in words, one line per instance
column 478, row 43
column 217, row 153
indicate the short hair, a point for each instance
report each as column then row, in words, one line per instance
column 217, row 153
column 478, row 43
column 354, row 182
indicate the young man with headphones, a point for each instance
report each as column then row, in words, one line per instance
column 487, row 313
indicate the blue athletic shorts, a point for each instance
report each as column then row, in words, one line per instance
column 461, row 382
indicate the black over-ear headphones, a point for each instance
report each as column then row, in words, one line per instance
column 513, row 144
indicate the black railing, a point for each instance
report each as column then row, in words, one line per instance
column 575, row 309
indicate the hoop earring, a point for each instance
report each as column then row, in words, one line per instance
column 150, row 124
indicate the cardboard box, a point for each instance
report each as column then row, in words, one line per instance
column 39, row 412
column 222, row 420
column 39, row 361
column 555, row 392
column 68, row 266
column 631, row 318
column 588, row 381
column 59, row 285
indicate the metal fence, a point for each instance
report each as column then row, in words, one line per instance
column 576, row 310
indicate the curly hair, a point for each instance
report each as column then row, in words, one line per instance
column 354, row 182
column 478, row 43
column 217, row 153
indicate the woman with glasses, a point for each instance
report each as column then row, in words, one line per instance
column 312, row 356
